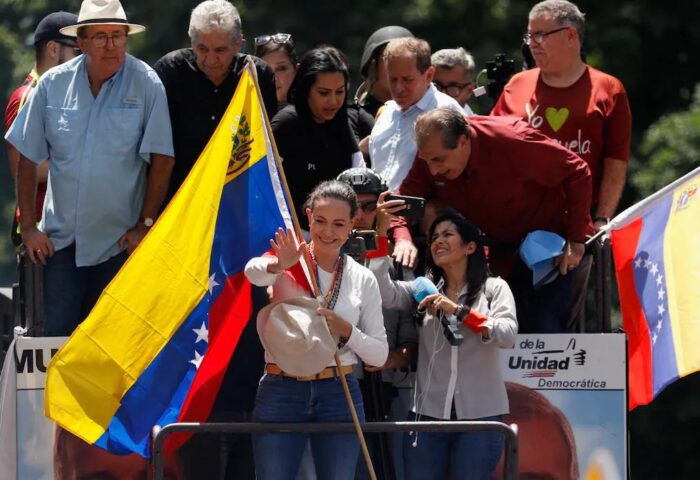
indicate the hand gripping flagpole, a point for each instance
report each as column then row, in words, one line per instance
column 312, row 274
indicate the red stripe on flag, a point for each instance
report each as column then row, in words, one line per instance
column 296, row 272
column 227, row 318
column 641, row 381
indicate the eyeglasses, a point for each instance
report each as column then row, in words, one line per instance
column 452, row 89
column 279, row 38
column 540, row 36
column 72, row 46
column 100, row 40
column 368, row 206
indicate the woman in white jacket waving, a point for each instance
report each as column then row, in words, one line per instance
column 352, row 309
column 456, row 379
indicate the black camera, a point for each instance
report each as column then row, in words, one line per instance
column 359, row 243
column 499, row 70
column 451, row 330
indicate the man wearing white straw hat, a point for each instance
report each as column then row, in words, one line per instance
column 103, row 120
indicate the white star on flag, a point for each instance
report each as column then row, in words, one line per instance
column 647, row 263
column 661, row 293
column 653, row 338
column 202, row 333
column 659, row 324
column 212, row 283
column 197, row 360
column 638, row 263
column 658, row 279
column 654, row 269
column 661, row 309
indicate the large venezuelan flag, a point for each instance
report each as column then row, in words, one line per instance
column 657, row 259
column 154, row 349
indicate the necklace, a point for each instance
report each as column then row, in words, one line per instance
column 453, row 294
column 331, row 296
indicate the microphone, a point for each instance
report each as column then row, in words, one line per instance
column 421, row 287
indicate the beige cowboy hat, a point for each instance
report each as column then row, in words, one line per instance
column 101, row 12
column 296, row 336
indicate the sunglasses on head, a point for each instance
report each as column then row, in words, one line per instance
column 279, row 38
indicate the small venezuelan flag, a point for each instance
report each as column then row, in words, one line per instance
column 154, row 349
column 657, row 259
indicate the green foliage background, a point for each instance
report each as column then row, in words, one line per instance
column 651, row 46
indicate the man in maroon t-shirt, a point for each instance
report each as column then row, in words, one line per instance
column 580, row 107
column 52, row 48
column 509, row 179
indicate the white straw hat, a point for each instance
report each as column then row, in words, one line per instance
column 296, row 337
column 101, row 12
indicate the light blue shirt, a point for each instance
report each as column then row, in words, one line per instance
column 99, row 149
column 392, row 144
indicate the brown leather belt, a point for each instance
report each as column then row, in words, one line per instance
column 328, row 372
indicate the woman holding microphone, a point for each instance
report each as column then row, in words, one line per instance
column 469, row 316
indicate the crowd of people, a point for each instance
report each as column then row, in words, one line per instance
column 99, row 142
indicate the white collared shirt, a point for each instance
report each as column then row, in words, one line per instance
column 392, row 144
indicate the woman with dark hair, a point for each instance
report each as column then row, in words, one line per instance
column 313, row 135
column 352, row 309
column 278, row 52
column 456, row 381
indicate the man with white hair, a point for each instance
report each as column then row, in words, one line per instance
column 200, row 81
column 102, row 118
column 454, row 74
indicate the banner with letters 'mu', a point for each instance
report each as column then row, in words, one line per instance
column 567, row 395
column 26, row 435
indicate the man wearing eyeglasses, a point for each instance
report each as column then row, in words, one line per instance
column 51, row 48
column 200, row 81
column 476, row 166
column 102, row 118
column 582, row 108
column 454, row 75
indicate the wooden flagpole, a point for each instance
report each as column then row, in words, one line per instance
column 312, row 273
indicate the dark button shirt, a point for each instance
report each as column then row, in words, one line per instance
column 371, row 105
column 361, row 122
column 312, row 152
column 197, row 105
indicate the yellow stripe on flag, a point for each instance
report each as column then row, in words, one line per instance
column 154, row 292
column 682, row 264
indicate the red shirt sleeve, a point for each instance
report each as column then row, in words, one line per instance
column 500, row 107
column 382, row 248
column 12, row 108
column 618, row 127
column 418, row 183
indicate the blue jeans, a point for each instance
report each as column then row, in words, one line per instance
column 283, row 399
column 70, row 292
column 466, row 456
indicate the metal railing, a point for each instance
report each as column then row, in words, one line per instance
column 510, row 467
column 601, row 277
